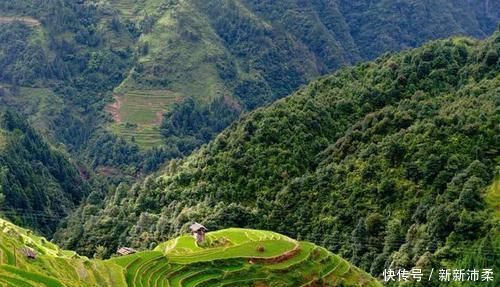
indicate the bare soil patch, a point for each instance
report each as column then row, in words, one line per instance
column 114, row 109
column 26, row 20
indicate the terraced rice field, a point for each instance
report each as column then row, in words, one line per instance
column 3, row 139
column 126, row 8
column 143, row 106
column 146, row 136
column 231, row 257
column 138, row 114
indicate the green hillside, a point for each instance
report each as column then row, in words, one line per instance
column 231, row 257
column 59, row 72
column 112, row 68
column 39, row 185
column 256, row 52
column 386, row 163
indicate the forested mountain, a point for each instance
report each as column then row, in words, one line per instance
column 387, row 162
column 258, row 51
column 57, row 65
column 392, row 162
column 125, row 85
column 60, row 61
column 38, row 185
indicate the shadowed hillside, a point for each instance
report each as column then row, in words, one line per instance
column 39, row 185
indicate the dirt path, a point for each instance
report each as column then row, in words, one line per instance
column 159, row 117
column 114, row 109
column 26, row 20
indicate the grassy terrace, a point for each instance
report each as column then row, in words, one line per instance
column 231, row 257
column 126, row 8
column 227, row 244
column 492, row 198
column 3, row 139
column 175, row 64
column 137, row 115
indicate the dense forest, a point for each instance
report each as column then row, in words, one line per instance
column 388, row 162
column 223, row 58
column 38, row 185
column 67, row 55
column 60, row 73
column 136, row 118
column 260, row 51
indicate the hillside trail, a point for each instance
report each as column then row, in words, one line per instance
column 114, row 108
column 26, row 20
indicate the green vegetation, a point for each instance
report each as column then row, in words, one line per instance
column 188, row 125
column 38, row 184
column 248, row 258
column 3, row 140
column 137, row 115
column 42, row 105
column 144, row 107
column 389, row 163
column 66, row 267
column 255, row 52
column 384, row 163
column 146, row 136
column 246, row 52
column 492, row 198
column 236, row 243
column 249, row 53
column 59, row 73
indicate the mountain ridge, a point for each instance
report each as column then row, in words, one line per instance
column 389, row 158
column 201, row 63
column 249, row 41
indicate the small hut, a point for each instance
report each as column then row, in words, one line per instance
column 198, row 232
column 28, row 253
column 125, row 251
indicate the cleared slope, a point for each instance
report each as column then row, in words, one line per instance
column 231, row 257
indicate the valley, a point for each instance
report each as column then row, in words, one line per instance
column 392, row 158
column 206, row 50
column 320, row 142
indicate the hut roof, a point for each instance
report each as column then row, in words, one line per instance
column 28, row 252
column 195, row 227
column 126, row 251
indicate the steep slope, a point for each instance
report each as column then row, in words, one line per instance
column 72, row 56
column 386, row 163
column 59, row 74
column 39, row 186
column 105, row 72
column 404, row 24
column 258, row 51
column 231, row 257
